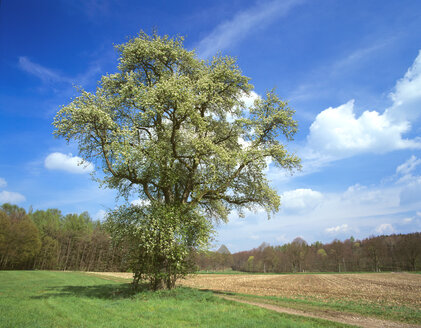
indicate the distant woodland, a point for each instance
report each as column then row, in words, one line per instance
column 49, row 240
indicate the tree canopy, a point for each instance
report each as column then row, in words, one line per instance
column 175, row 131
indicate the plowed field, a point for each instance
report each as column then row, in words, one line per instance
column 379, row 288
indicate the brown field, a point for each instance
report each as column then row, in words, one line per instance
column 385, row 288
column 380, row 288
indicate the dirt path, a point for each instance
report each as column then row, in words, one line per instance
column 347, row 318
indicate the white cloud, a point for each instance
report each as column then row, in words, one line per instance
column 300, row 200
column 11, row 197
column 100, row 215
column 339, row 133
column 407, row 95
column 43, row 73
column 409, row 166
column 338, row 229
column 410, row 191
column 250, row 99
column 68, row 163
column 233, row 31
column 140, row 202
column 385, row 228
column 381, row 206
column 407, row 220
column 282, row 239
column 359, row 194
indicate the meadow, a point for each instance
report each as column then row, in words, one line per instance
column 72, row 299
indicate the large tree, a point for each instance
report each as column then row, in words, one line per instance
column 174, row 130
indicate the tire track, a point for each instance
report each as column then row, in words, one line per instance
column 341, row 317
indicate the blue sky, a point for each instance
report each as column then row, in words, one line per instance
column 350, row 69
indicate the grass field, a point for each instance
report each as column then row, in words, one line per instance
column 65, row 299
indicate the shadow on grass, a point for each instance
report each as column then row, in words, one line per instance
column 108, row 291
column 217, row 292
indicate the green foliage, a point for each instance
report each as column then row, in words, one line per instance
column 19, row 237
column 48, row 222
column 396, row 252
column 322, row 253
column 45, row 239
column 174, row 130
column 160, row 238
column 13, row 211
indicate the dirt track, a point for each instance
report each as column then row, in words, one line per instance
column 347, row 318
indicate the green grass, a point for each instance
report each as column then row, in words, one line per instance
column 65, row 299
column 406, row 314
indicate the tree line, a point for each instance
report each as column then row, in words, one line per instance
column 397, row 252
column 49, row 240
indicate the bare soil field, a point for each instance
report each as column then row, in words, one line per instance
column 380, row 288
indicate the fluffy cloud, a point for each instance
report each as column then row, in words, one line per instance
column 250, row 99
column 338, row 132
column 300, row 200
column 338, row 229
column 385, row 228
column 11, row 197
column 68, row 163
